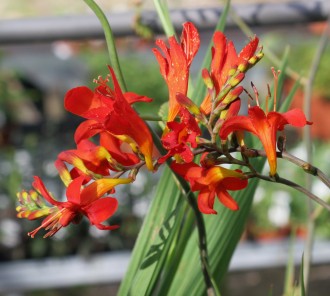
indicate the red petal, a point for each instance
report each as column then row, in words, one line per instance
column 190, row 41
column 40, row 186
column 132, row 98
column 74, row 189
column 234, row 183
column 225, row 198
column 101, row 209
column 236, row 123
column 160, row 59
column 295, row 117
column 206, row 201
column 87, row 129
column 67, row 217
column 78, row 100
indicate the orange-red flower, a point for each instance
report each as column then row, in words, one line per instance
column 175, row 64
column 211, row 182
column 265, row 127
column 110, row 115
column 181, row 138
column 81, row 201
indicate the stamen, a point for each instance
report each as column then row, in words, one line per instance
column 255, row 93
column 250, row 97
column 275, row 74
column 267, row 98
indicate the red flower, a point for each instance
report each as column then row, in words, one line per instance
column 180, row 135
column 211, row 182
column 110, row 115
column 84, row 201
column 88, row 160
column 175, row 64
column 224, row 61
column 265, row 127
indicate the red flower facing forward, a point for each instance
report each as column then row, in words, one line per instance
column 175, row 64
column 181, row 138
column 81, row 201
column 110, row 115
column 265, row 127
column 224, row 61
column 211, row 182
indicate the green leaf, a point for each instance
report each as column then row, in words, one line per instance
column 302, row 282
column 154, row 237
column 289, row 272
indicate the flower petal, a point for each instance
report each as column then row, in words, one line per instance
column 79, row 100
column 40, row 186
column 232, row 183
column 87, row 129
column 296, row 118
column 236, row 123
column 225, row 198
column 98, row 188
column 101, row 209
column 74, row 189
column 206, row 201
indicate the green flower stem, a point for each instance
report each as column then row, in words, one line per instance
column 307, row 167
column 209, row 282
column 164, row 15
column 293, row 185
column 114, row 61
column 151, row 118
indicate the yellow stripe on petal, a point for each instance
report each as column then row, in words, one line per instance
column 100, row 187
column 217, row 174
column 127, row 139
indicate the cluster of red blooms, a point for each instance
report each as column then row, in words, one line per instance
column 124, row 143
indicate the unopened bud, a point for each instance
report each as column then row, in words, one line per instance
column 243, row 67
column 207, row 79
column 232, row 71
column 233, row 95
column 236, row 79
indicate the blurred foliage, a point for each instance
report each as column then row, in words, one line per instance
column 266, row 198
column 302, row 50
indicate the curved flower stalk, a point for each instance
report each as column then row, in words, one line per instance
column 81, row 201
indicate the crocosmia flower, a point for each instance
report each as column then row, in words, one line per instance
column 175, row 63
column 81, row 201
column 182, row 136
column 210, row 182
column 110, row 115
column 265, row 127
